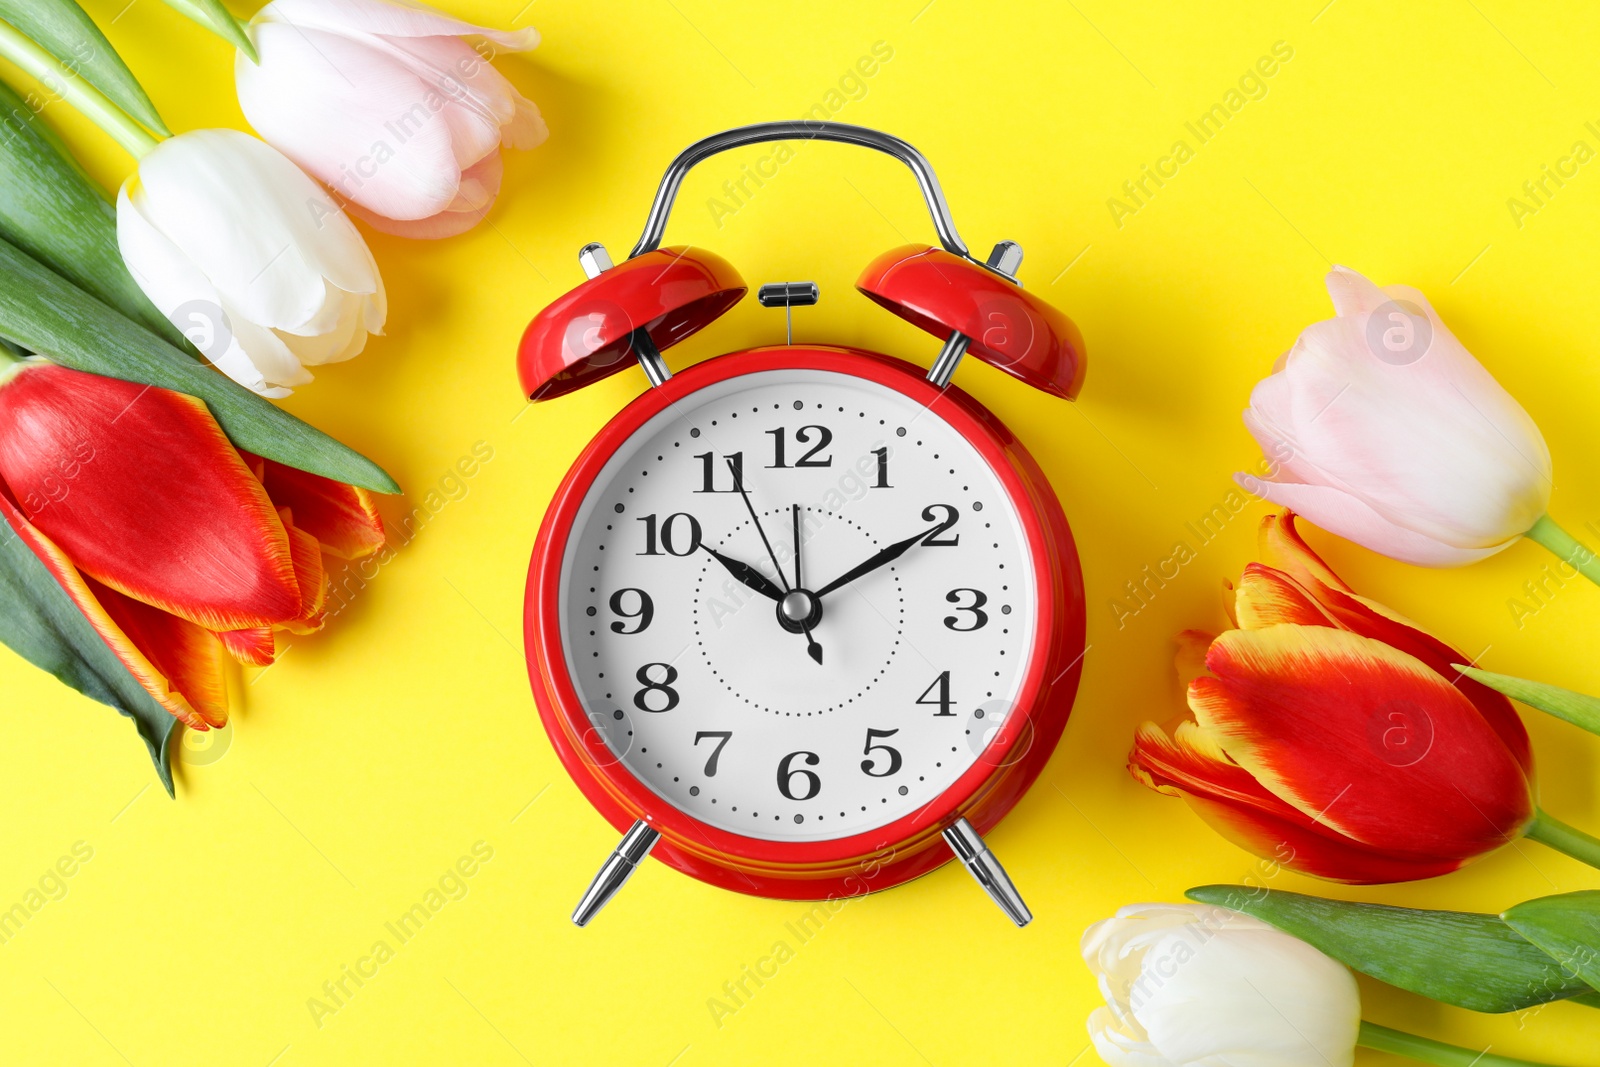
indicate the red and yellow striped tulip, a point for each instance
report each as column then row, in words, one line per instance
column 1334, row 737
column 177, row 547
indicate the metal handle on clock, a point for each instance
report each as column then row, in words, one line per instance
column 801, row 130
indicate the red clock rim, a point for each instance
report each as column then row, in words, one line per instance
column 580, row 742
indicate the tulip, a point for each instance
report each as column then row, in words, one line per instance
column 174, row 545
column 1334, row 737
column 227, row 237
column 389, row 107
column 1190, row 985
column 1379, row 426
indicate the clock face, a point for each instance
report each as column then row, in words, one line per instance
column 797, row 695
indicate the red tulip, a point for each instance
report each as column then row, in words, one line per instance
column 175, row 545
column 1335, row 737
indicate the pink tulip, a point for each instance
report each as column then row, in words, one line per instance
column 1380, row 427
column 386, row 104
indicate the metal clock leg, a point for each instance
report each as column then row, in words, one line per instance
column 595, row 260
column 619, row 867
column 1005, row 259
column 970, row 850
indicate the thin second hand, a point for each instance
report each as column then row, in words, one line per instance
column 798, row 584
column 738, row 483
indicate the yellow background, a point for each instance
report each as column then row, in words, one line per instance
column 373, row 756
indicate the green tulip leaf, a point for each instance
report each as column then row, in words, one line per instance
column 52, row 211
column 1566, row 927
column 1462, row 958
column 45, row 313
column 62, row 28
column 40, row 623
column 1576, row 708
column 215, row 17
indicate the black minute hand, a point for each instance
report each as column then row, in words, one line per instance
column 883, row 556
column 746, row 574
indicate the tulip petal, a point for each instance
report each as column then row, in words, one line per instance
column 1349, row 517
column 1371, row 619
column 341, row 517
column 1268, row 596
column 189, row 657
column 1364, row 738
column 1119, row 1044
column 1249, row 998
column 1428, row 440
column 389, row 18
column 1283, row 547
column 1189, row 762
column 376, row 138
column 311, row 576
column 76, row 586
column 206, row 183
column 146, row 495
column 452, row 220
column 1190, row 659
column 182, row 293
column 1352, row 293
column 1285, row 844
column 255, row 647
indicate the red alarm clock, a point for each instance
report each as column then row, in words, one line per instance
column 804, row 620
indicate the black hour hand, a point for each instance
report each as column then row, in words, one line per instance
column 882, row 557
column 746, row 574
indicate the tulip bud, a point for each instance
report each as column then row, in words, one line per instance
column 1189, row 984
column 388, row 106
column 249, row 257
column 1382, row 428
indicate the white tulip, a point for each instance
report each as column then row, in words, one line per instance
column 1192, row 984
column 249, row 257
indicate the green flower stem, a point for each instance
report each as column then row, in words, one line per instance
column 1563, row 838
column 1568, row 548
column 1430, row 1051
column 1578, row 709
column 83, row 97
column 235, row 30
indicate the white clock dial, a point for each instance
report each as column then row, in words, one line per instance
column 685, row 666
